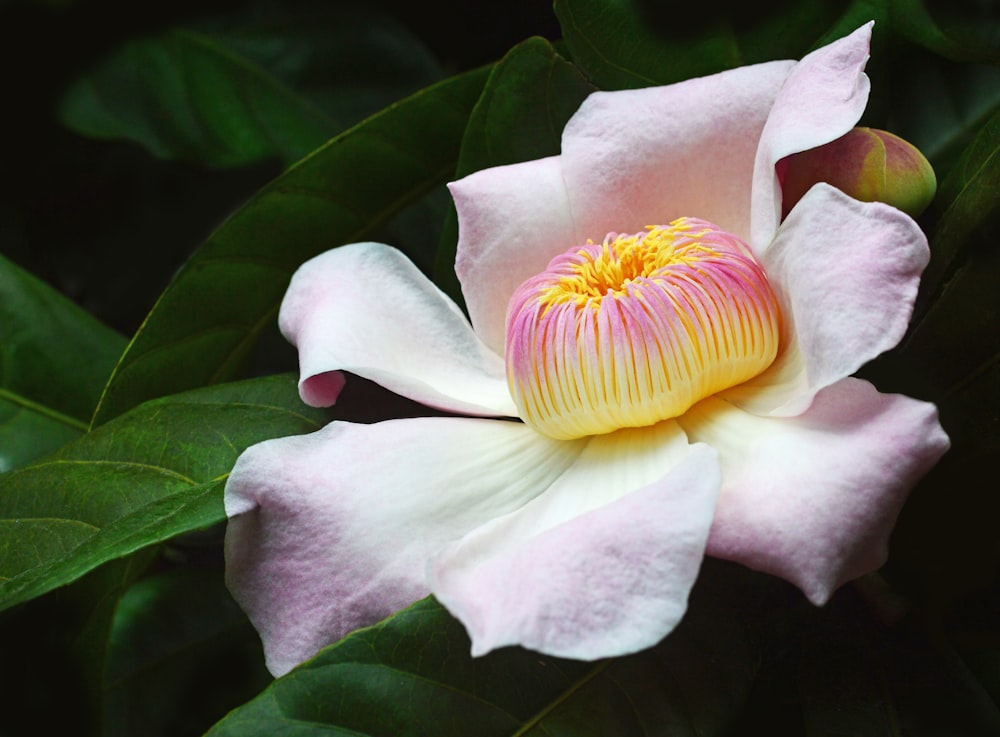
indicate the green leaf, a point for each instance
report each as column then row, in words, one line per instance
column 53, row 667
column 183, row 95
column 412, row 675
column 179, row 639
column 957, row 338
column 945, row 539
column 151, row 474
column 947, row 534
column 939, row 106
column 278, row 84
column 213, row 311
column 953, row 337
column 350, row 61
column 54, row 360
column 620, row 48
column 523, row 109
column 960, row 30
column 968, row 196
column 520, row 116
column 858, row 677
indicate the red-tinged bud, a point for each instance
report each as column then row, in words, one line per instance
column 868, row 164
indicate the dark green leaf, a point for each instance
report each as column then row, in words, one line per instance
column 967, row 198
column 963, row 30
column 621, row 48
column 154, row 473
column 520, row 116
column 957, row 339
column 178, row 638
column 523, row 109
column 350, row 61
column 54, row 359
column 939, row 106
column 974, row 628
column 953, row 339
column 277, row 85
column 945, row 543
column 412, row 675
column 209, row 317
column 183, row 95
column 859, row 677
column 53, row 656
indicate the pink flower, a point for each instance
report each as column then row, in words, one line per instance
column 580, row 531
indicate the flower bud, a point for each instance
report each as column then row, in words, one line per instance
column 868, row 164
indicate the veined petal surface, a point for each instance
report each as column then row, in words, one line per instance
column 813, row 498
column 598, row 565
column 822, row 98
column 365, row 308
column 332, row 531
column 511, row 221
column 635, row 158
column 846, row 274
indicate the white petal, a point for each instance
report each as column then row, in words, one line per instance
column 332, row 531
column 365, row 308
column 512, row 220
column 846, row 274
column 813, row 498
column 636, row 158
column 601, row 563
column 823, row 98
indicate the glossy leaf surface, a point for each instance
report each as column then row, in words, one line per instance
column 967, row 198
column 54, row 360
column 520, row 116
column 662, row 43
column 964, row 31
column 215, row 308
column 178, row 638
column 412, row 675
column 233, row 92
column 152, row 474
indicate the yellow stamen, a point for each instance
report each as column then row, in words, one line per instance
column 638, row 328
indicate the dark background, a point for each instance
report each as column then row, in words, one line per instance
column 107, row 223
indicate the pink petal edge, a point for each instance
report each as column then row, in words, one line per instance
column 332, row 531
column 644, row 157
column 511, row 221
column 813, row 498
column 846, row 274
column 599, row 565
column 823, row 98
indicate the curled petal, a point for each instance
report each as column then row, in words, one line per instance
column 365, row 308
column 813, row 498
column 846, row 274
column 639, row 157
column 601, row 563
column 511, row 221
column 822, row 99
column 332, row 531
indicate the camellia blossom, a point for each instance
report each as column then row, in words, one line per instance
column 679, row 356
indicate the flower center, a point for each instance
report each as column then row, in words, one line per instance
column 637, row 329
